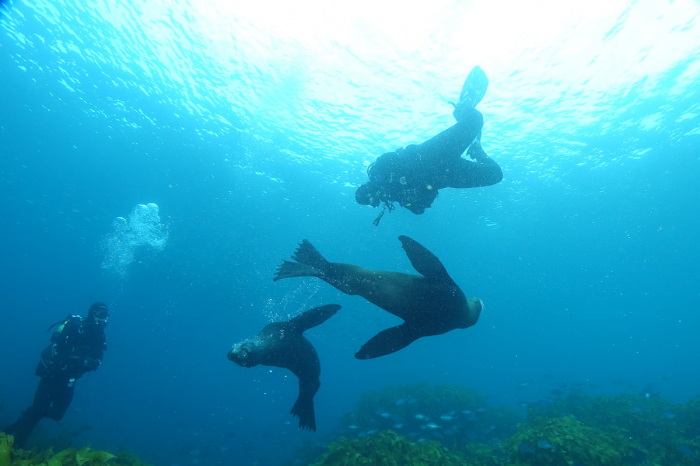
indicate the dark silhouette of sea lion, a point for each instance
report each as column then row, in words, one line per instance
column 281, row 344
column 429, row 304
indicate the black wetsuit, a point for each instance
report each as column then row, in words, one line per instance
column 412, row 176
column 76, row 347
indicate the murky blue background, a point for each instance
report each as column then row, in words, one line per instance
column 250, row 126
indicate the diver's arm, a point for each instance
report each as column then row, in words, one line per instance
column 97, row 348
column 90, row 358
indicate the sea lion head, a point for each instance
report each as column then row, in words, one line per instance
column 474, row 308
column 247, row 353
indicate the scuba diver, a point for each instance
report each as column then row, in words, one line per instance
column 76, row 347
column 413, row 175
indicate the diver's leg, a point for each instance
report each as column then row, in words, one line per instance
column 469, row 121
column 61, row 397
column 23, row 427
column 451, row 143
column 467, row 174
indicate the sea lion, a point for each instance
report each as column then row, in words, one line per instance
column 429, row 304
column 281, row 344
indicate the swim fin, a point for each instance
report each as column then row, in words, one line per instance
column 473, row 91
column 474, row 88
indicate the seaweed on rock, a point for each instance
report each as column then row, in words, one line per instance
column 564, row 441
column 579, row 430
column 68, row 457
column 653, row 426
column 388, row 449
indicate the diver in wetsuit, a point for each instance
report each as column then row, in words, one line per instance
column 413, row 175
column 76, row 347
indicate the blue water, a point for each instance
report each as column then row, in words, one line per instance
column 250, row 126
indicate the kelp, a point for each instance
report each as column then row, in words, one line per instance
column 479, row 454
column 68, row 457
column 630, row 414
column 5, row 449
column 564, row 441
column 653, row 424
column 124, row 458
column 386, row 448
column 689, row 419
column 577, row 430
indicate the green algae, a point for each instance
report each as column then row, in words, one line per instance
column 568, row 441
column 5, row 449
column 386, row 448
column 652, row 425
column 68, row 457
column 577, row 430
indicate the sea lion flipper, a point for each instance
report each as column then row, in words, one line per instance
column 386, row 342
column 294, row 269
column 307, row 254
column 309, row 263
column 304, row 410
column 313, row 317
column 425, row 262
column 304, row 406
